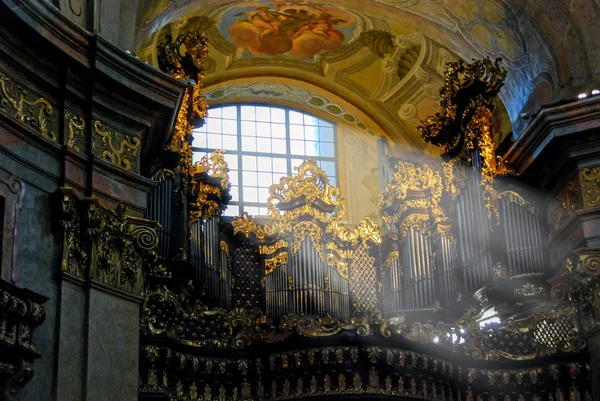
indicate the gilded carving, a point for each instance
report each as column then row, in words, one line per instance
column 37, row 112
column 117, row 148
column 104, row 245
column 163, row 175
column 411, row 199
column 214, row 166
column 76, row 131
column 184, row 58
column 272, row 263
column 590, row 186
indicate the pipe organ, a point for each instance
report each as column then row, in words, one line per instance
column 454, row 239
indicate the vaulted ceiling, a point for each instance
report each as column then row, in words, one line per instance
column 377, row 64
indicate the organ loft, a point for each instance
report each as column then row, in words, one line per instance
column 274, row 200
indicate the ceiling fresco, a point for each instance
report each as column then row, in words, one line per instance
column 386, row 57
column 294, row 29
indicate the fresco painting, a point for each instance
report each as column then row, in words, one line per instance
column 292, row 29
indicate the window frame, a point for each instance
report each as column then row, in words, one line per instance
column 288, row 156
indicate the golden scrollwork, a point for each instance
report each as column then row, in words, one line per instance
column 457, row 76
column 215, row 166
column 224, row 246
column 450, row 184
column 272, row 263
column 76, row 131
column 392, row 258
column 591, row 186
column 479, row 129
column 308, row 229
column 247, row 226
column 182, row 134
column 517, row 199
column 529, row 290
column 412, row 199
column 270, row 249
column 191, row 46
column 117, row 148
column 302, row 206
column 311, row 184
column 37, row 112
column 207, row 203
column 163, row 175
column 339, row 264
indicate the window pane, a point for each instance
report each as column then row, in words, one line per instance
column 328, row 167
column 214, row 141
column 249, row 144
column 250, row 194
column 296, row 118
column 263, row 145
column 326, row 134
column 279, row 165
column 199, row 140
column 230, row 112
column 296, row 163
column 310, row 120
column 296, row 132
column 278, row 131
column 248, row 128
column 249, row 180
column 279, row 146
column 213, row 125
column 230, row 142
column 252, row 210
column 263, row 129
column 230, row 127
column 216, row 113
column 265, row 180
column 234, row 177
column 297, row 147
column 312, row 148
column 263, row 114
column 263, row 195
column 232, row 210
column 235, row 193
column 278, row 115
column 232, row 161
column 327, row 149
column 264, row 164
column 311, row 133
column 278, row 176
column 248, row 113
column 249, row 163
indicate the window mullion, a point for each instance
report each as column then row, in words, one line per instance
column 240, row 166
column 288, row 146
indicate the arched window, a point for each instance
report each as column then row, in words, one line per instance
column 263, row 144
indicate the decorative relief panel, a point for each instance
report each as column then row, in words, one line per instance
column 75, row 127
column 582, row 192
column 104, row 245
column 117, row 148
column 590, row 186
column 28, row 108
column 21, row 312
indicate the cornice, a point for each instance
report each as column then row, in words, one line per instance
column 550, row 124
column 138, row 75
column 50, row 23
